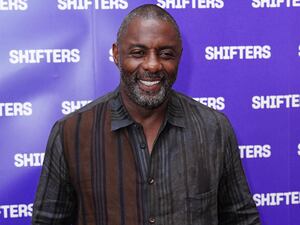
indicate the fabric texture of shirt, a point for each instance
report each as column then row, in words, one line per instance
column 98, row 171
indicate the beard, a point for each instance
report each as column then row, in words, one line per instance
column 147, row 99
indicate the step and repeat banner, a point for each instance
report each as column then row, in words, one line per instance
column 240, row 57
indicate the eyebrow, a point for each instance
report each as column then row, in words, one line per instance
column 137, row 46
column 160, row 48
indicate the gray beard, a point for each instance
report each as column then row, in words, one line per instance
column 146, row 99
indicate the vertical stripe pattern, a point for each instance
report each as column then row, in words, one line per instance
column 98, row 170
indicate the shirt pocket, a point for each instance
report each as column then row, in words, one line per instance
column 203, row 208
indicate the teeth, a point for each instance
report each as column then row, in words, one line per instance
column 149, row 83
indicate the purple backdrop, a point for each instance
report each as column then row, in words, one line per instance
column 240, row 57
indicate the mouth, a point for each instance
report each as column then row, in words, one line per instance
column 149, row 83
column 152, row 86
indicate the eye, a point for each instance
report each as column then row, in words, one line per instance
column 167, row 54
column 137, row 53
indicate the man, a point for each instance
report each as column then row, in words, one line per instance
column 144, row 154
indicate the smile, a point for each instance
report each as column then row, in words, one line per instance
column 149, row 83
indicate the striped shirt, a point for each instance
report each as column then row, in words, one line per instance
column 98, row 171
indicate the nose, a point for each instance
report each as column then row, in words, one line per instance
column 152, row 63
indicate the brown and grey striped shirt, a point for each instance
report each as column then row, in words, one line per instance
column 98, row 171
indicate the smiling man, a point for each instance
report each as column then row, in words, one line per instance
column 144, row 154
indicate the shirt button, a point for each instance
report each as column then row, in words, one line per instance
column 150, row 181
column 151, row 220
column 143, row 145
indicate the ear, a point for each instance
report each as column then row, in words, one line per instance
column 180, row 54
column 116, row 54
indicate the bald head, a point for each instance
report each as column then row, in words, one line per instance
column 148, row 11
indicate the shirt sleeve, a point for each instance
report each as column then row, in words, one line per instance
column 55, row 200
column 235, row 202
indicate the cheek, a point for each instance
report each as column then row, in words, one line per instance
column 171, row 68
column 130, row 65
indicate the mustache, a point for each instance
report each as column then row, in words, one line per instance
column 149, row 75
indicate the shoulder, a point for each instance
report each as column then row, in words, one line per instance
column 98, row 104
column 190, row 105
column 196, row 112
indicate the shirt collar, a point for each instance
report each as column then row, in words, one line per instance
column 120, row 117
column 175, row 113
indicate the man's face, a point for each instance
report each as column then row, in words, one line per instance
column 148, row 56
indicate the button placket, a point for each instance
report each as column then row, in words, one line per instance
column 149, row 180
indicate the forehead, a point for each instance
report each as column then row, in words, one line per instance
column 150, row 32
